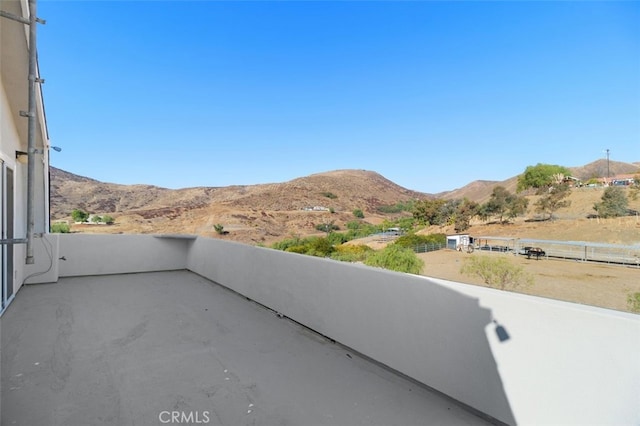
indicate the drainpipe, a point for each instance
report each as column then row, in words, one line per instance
column 31, row 135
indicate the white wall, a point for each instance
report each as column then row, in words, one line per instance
column 87, row 254
column 45, row 269
column 563, row 364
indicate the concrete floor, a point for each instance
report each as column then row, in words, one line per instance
column 174, row 348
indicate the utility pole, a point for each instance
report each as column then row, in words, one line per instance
column 607, row 166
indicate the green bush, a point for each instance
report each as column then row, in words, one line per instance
column 401, row 206
column 396, row 258
column 351, row 253
column 60, row 228
column 497, row 272
column 108, row 220
column 327, row 227
column 313, row 246
column 79, row 215
column 330, row 195
column 337, row 238
column 219, row 228
column 358, row 213
column 412, row 240
column 288, row 243
column 613, row 203
column 96, row 219
column 357, row 229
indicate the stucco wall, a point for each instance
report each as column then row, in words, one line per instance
column 562, row 363
column 87, row 254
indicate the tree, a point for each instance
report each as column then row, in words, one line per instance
column 396, row 258
column 553, row 200
column 79, row 215
column 614, row 203
column 429, row 211
column 498, row 204
column 517, row 206
column 358, row 213
column 464, row 213
column 497, row 272
column 541, row 176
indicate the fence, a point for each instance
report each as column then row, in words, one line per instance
column 427, row 247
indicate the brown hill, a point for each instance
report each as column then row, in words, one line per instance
column 480, row 190
column 255, row 213
column 262, row 214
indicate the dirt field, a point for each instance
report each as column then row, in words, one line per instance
column 587, row 283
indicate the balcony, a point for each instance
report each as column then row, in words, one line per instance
column 141, row 328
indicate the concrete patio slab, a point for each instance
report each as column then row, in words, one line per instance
column 174, row 348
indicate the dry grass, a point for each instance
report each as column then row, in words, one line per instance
column 602, row 285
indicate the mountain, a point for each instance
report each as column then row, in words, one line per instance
column 262, row 214
column 255, row 213
column 480, row 190
column 599, row 169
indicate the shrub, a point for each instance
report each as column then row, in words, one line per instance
column 358, row 213
column 406, row 206
column 633, row 302
column 330, row 195
column 96, row 219
column 79, row 215
column 337, row 238
column 613, row 203
column 60, row 228
column 357, row 229
column 396, row 258
column 108, row 220
column 288, row 243
column 351, row 253
column 412, row 240
column 219, row 228
column 327, row 227
column 497, row 272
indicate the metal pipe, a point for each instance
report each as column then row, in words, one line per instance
column 14, row 241
column 14, row 17
column 31, row 135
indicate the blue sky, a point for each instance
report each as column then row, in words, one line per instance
column 432, row 95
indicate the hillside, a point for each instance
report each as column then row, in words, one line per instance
column 480, row 190
column 263, row 214
column 251, row 213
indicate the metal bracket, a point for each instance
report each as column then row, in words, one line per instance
column 26, row 114
column 20, row 18
column 14, row 241
column 39, row 80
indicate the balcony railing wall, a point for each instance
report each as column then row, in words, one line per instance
column 517, row 358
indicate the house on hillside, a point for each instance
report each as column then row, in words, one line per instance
column 24, row 205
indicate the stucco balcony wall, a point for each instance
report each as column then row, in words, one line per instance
column 517, row 358
column 86, row 254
